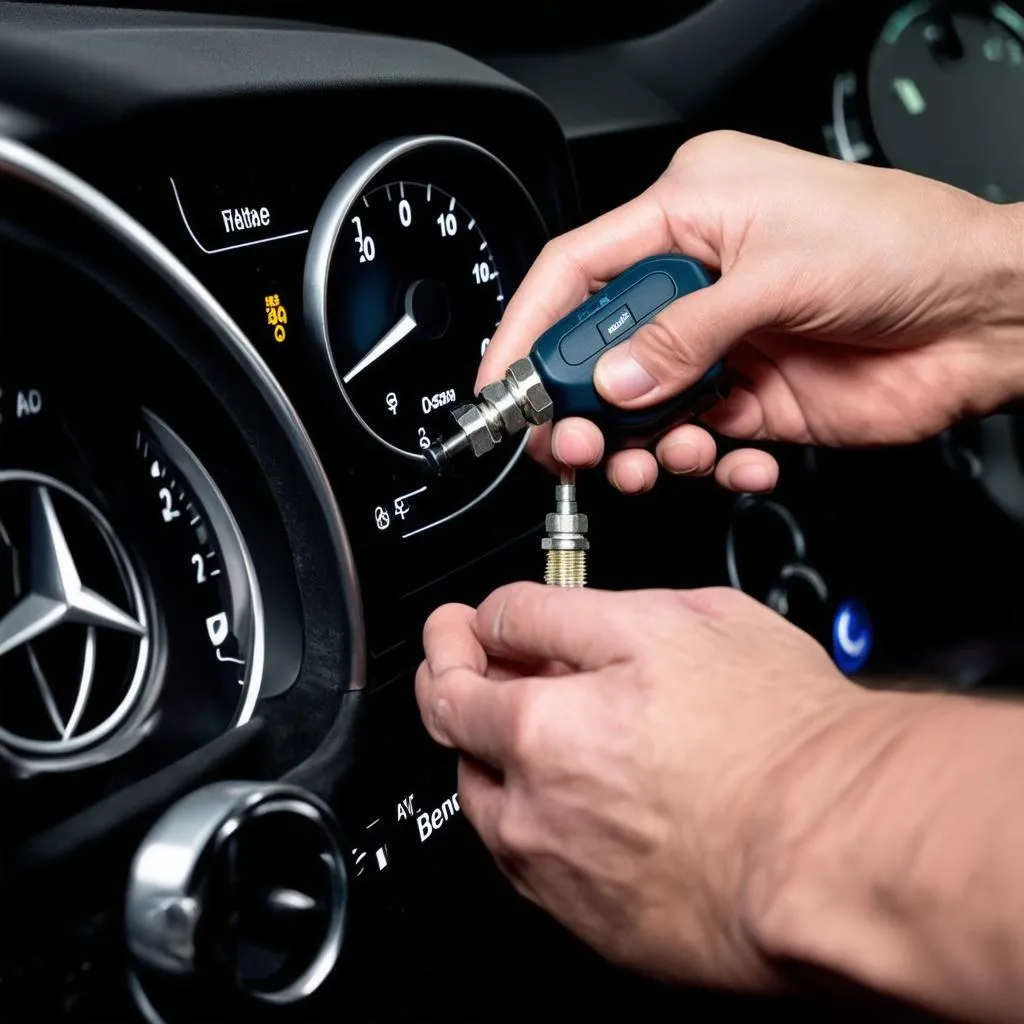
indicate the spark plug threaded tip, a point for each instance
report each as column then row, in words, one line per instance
column 566, row 569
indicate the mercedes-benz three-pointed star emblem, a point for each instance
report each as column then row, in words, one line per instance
column 73, row 651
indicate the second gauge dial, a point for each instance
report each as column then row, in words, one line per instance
column 417, row 306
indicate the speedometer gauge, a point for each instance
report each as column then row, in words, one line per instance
column 940, row 96
column 425, row 252
column 410, row 264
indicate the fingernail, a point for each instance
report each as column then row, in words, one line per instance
column 568, row 443
column 638, row 481
column 750, row 476
column 558, row 444
column 620, row 378
column 641, row 479
column 682, row 457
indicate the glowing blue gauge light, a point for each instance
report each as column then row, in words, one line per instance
column 853, row 636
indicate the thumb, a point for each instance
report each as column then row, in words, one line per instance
column 675, row 350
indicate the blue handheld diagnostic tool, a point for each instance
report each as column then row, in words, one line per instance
column 557, row 379
column 565, row 355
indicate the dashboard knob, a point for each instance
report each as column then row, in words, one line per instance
column 237, row 894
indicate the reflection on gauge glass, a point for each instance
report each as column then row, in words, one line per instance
column 941, row 97
column 410, row 264
column 220, row 620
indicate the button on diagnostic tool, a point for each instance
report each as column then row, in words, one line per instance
column 620, row 320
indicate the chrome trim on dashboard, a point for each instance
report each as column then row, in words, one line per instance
column 212, row 500
column 169, row 881
column 22, row 162
column 228, row 248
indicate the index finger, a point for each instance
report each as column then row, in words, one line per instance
column 460, row 706
column 449, row 640
column 568, row 270
column 529, row 622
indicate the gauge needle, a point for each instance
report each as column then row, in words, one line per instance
column 401, row 330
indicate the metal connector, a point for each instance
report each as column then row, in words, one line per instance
column 506, row 408
column 566, row 542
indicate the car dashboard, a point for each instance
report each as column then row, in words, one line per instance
column 248, row 266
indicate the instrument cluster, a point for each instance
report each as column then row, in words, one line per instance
column 372, row 280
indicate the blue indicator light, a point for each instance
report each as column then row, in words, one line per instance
column 853, row 636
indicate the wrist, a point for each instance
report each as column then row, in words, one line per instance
column 892, row 854
column 810, row 877
column 995, row 313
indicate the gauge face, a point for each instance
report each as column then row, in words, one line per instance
column 408, row 357
column 943, row 91
column 410, row 263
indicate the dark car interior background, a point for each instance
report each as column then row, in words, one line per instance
column 218, row 535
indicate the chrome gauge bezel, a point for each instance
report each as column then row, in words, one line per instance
column 365, row 174
column 229, row 537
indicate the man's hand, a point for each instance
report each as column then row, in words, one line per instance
column 686, row 782
column 861, row 306
column 621, row 753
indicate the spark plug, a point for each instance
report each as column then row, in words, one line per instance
column 566, row 542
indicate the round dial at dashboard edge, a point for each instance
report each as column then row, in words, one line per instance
column 934, row 96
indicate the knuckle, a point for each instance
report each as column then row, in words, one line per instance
column 514, row 610
column 707, row 147
column 658, row 602
column 440, row 719
column 560, row 255
column 439, row 699
column 663, row 346
column 530, row 740
column 556, row 251
column 516, row 839
column 508, row 841
column 447, row 684
column 720, row 602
